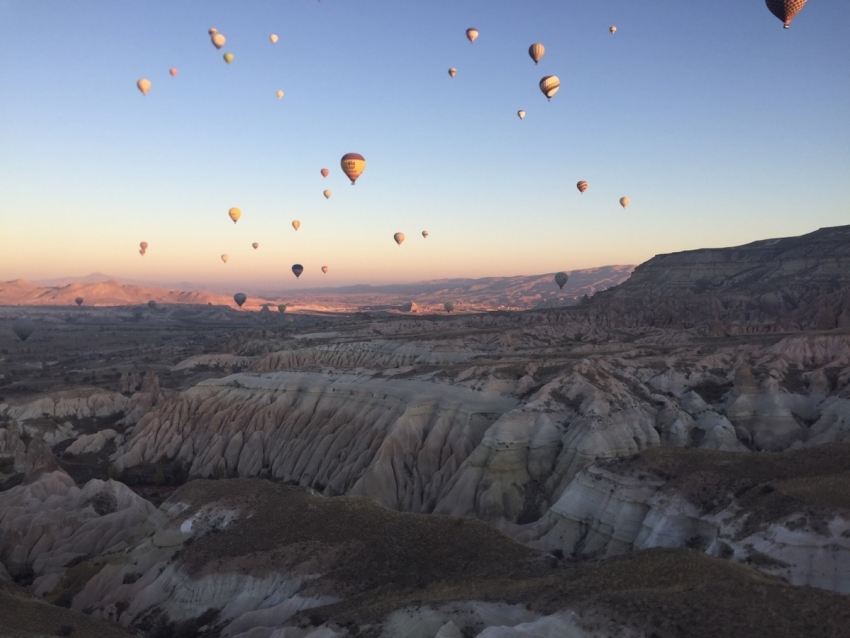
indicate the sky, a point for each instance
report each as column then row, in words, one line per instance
column 720, row 126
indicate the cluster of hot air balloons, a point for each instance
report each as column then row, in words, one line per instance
column 143, row 246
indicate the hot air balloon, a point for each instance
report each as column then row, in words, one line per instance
column 536, row 51
column 550, row 85
column 78, row 301
column 327, row 194
column 212, row 31
column 235, row 214
column 613, row 29
column 255, row 245
column 425, row 234
column 520, row 114
column 581, row 186
column 240, row 298
column 217, row 40
column 273, row 38
column 144, row 85
column 785, row 10
column 23, row 327
column 352, row 165
column 172, row 71
column 279, row 95
column 151, row 304
column 143, row 245
column 561, row 279
column 452, row 72
column 624, row 201
column 325, row 172
column 399, row 237
column 296, row 224
column 281, row 308
column 228, row 57
column 325, row 269
column 297, row 269
column 224, row 258
column 142, row 252
column 449, row 306
column 471, row 34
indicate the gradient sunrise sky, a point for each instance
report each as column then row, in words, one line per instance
column 720, row 126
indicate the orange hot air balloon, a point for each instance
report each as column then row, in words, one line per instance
column 325, row 269
column 785, row 10
column 143, row 245
column 550, row 85
column 399, row 237
column 296, row 224
column 581, row 186
column 353, row 165
column 325, row 172
column 235, row 214
column 536, row 51
column 255, row 245
column 144, row 85
column 452, row 71
column 224, row 258
column 273, row 38
column 172, row 71
column 218, row 40
column 471, row 34
column 327, row 194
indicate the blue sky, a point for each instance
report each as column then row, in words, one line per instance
column 720, row 126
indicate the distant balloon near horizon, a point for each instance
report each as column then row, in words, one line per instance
column 281, row 308
column 785, row 10
column 399, row 237
column 449, row 306
column 561, row 279
column 234, row 214
column 255, row 245
column 536, row 51
column 78, row 301
column 279, row 95
column 325, row 269
column 520, row 114
column 152, row 304
column 224, row 258
column 296, row 224
column 452, row 72
column 471, row 34
column 353, row 165
column 228, row 57
column 550, row 85
column 144, row 85
column 624, row 201
column 297, row 269
column 273, row 38
column 240, row 298
column 327, row 194
column 581, row 186
column 325, row 172
column 23, row 327
column 218, row 40
column 425, row 234
column 613, row 29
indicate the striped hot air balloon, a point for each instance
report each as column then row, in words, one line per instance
column 581, row 186
column 550, row 85
column 536, row 51
column 325, row 172
column 785, row 10
column 353, row 165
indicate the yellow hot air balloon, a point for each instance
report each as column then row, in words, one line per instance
column 399, row 237
column 273, row 38
column 550, row 85
column 228, row 57
column 352, row 165
column 255, row 245
column 296, row 224
column 172, row 71
column 224, row 258
column 425, row 234
column 613, row 29
column 217, row 40
column 327, row 194
column 624, row 201
column 581, row 186
column 235, row 214
column 279, row 94
column 325, row 269
column 144, row 85
column 536, row 51
column 471, row 34
column 452, row 71
column 520, row 114
column 325, row 172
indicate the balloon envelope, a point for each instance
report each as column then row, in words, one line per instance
column 327, row 194
column 142, row 252
column 296, row 224
column 520, row 114
column 785, row 10
column 240, row 298
column 255, row 245
column 172, row 71
column 561, row 279
column 425, row 233
column 151, row 304
column 212, row 31
column 325, row 269
column 471, row 34
column 234, row 214
column 273, row 38
column 217, row 40
column 78, row 301
column 452, row 71
column 536, row 51
column 281, row 308
column 581, row 186
column 550, row 85
column 624, row 201
column 23, row 327
column 279, row 95
column 228, row 57
column 399, row 237
column 613, row 29
column 297, row 269
column 352, row 165
column 144, row 85
column 325, row 172
column 224, row 258
column 449, row 306
column 143, row 245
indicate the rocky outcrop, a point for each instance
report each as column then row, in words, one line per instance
column 79, row 403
